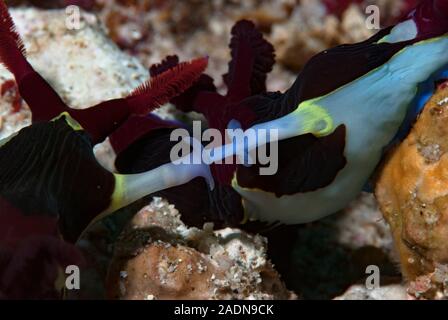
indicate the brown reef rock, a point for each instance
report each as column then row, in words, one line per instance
column 412, row 190
column 158, row 257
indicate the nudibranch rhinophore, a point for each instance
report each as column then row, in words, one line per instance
column 346, row 107
column 49, row 170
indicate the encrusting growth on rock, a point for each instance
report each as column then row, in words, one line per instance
column 412, row 190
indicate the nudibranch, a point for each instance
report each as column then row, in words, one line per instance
column 49, row 170
column 345, row 108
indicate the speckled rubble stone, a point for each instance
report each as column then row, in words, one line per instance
column 158, row 257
